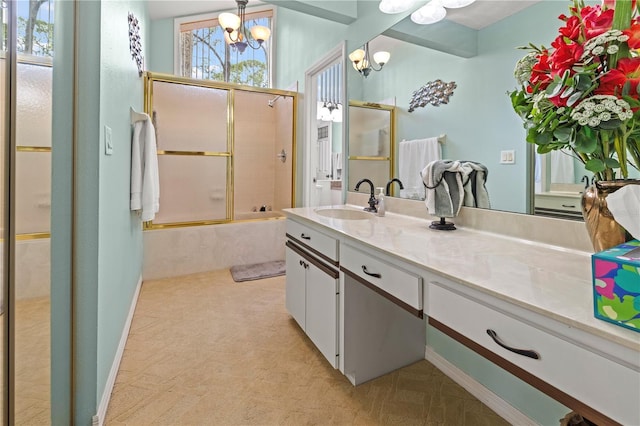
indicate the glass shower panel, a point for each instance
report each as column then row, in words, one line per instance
column 33, row 184
column 369, row 132
column 190, row 118
column 284, row 144
column 254, row 151
column 32, row 338
column 376, row 170
column 32, row 99
column 193, row 188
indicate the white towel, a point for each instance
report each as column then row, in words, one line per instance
column 413, row 156
column 562, row 169
column 145, row 183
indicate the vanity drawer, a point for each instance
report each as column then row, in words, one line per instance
column 320, row 244
column 575, row 376
column 559, row 202
column 405, row 288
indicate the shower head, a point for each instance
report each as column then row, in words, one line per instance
column 271, row 102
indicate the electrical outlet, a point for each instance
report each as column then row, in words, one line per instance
column 108, row 141
column 508, row 157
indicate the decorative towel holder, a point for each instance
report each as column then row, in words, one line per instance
column 136, row 116
column 442, row 225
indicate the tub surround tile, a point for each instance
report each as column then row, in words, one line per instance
column 552, row 281
column 181, row 251
column 33, row 267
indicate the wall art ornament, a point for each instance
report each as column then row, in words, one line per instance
column 135, row 45
column 434, row 92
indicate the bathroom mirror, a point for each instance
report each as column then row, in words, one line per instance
column 371, row 143
column 478, row 122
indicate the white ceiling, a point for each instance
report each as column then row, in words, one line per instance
column 478, row 15
column 483, row 13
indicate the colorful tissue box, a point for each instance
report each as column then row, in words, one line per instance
column 616, row 285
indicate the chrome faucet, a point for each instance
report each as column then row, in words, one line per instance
column 372, row 198
column 388, row 190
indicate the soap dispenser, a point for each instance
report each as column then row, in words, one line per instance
column 381, row 206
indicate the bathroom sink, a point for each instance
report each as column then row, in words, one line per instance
column 347, row 214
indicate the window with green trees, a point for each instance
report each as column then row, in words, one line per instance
column 35, row 27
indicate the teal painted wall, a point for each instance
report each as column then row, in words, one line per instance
column 120, row 230
column 301, row 40
column 108, row 237
column 61, row 214
column 536, row 405
column 161, row 46
column 86, row 212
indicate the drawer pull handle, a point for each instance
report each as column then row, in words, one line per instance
column 305, row 237
column 570, row 206
column 371, row 274
column 524, row 352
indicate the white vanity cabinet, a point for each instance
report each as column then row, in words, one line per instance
column 383, row 326
column 542, row 355
column 525, row 307
column 312, row 287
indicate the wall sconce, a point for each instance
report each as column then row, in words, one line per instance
column 235, row 32
column 362, row 61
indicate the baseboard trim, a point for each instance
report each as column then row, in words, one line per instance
column 475, row 388
column 98, row 419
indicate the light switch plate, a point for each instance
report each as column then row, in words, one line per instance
column 108, row 141
column 508, row 157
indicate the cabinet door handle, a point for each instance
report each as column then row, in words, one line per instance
column 569, row 206
column 372, row 274
column 305, row 237
column 525, row 352
column 301, row 263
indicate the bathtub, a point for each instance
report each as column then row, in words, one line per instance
column 253, row 237
column 259, row 215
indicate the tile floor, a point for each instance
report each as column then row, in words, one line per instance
column 204, row 350
column 33, row 362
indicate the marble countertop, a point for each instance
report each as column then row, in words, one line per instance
column 550, row 280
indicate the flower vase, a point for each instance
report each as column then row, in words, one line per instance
column 603, row 229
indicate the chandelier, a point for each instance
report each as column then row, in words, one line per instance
column 362, row 61
column 235, row 31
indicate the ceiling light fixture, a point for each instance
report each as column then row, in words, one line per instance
column 395, row 6
column 362, row 61
column 435, row 11
column 456, row 4
column 430, row 13
column 235, row 32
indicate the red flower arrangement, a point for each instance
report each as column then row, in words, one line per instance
column 582, row 94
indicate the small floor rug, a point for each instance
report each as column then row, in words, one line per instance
column 257, row 271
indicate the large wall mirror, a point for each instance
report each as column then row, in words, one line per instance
column 478, row 120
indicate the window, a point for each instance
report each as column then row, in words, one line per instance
column 35, row 27
column 204, row 54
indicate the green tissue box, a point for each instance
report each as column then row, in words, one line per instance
column 616, row 285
